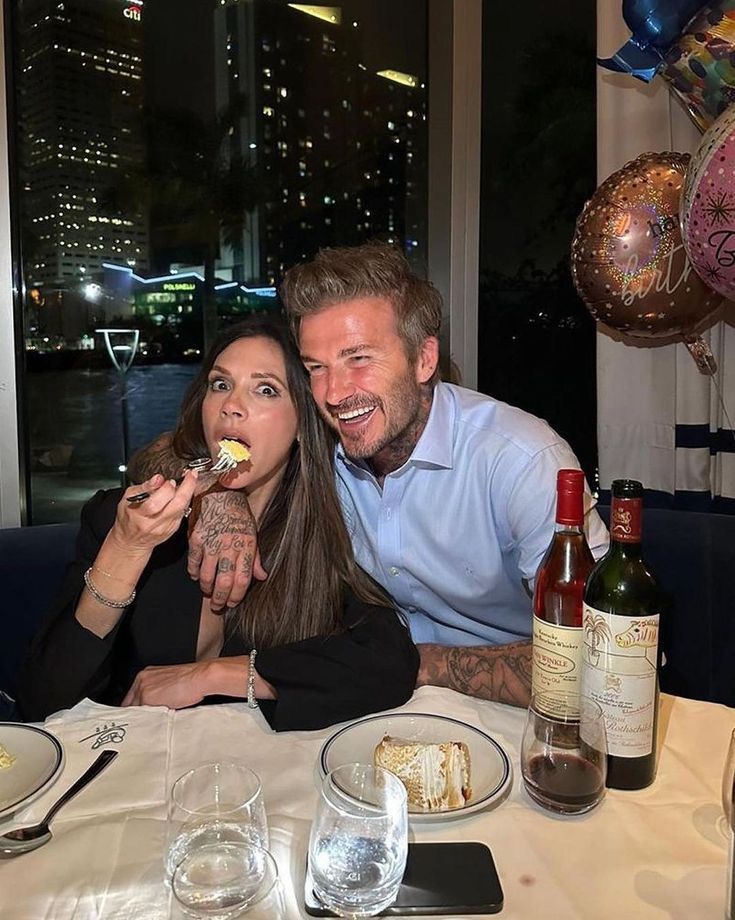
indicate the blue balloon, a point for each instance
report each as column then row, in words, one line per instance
column 655, row 24
column 659, row 22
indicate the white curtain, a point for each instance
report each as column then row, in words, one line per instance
column 659, row 419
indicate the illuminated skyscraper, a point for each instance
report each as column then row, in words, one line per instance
column 340, row 148
column 79, row 106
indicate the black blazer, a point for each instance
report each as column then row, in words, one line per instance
column 370, row 665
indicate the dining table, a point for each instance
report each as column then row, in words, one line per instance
column 653, row 853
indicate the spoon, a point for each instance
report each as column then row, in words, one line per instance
column 26, row 839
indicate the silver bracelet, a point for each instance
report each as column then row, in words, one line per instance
column 91, row 587
column 252, row 702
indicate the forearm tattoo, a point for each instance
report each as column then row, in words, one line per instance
column 500, row 673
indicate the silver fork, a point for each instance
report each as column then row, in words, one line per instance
column 201, row 464
column 224, row 463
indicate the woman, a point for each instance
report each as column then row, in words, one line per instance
column 314, row 643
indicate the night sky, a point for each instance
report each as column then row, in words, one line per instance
column 529, row 50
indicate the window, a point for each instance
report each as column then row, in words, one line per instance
column 112, row 223
column 536, row 340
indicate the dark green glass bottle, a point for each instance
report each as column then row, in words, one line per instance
column 622, row 602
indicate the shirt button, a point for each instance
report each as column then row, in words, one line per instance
column 393, row 570
column 388, row 513
column 411, row 609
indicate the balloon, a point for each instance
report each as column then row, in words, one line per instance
column 628, row 261
column 699, row 65
column 655, row 25
column 708, row 207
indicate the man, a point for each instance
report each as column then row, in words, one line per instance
column 449, row 495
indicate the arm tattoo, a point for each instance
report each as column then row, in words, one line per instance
column 156, row 457
column 499, row 672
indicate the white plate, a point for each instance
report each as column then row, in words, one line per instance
column 491, row 773
column 39, row 758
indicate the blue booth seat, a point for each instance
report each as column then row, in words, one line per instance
column 693, row 558
column 692, row 554
column 32, row 565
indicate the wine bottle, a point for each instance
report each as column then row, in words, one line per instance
column 620, row 646
column 557, row 603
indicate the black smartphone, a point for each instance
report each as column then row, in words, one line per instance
column 440, row 878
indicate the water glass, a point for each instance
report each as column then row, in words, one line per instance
column 218, row 803
column 359, row 840
column 227, row 880
column 564, row 755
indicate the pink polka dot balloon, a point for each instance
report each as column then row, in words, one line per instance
column 708, row 207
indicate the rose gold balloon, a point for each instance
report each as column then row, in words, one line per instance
column 628, row 259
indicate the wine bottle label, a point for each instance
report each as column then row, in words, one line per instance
column 619, row 672
column 625, row 520
column 556, row 654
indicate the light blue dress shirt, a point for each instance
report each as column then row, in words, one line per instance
column 456, row 534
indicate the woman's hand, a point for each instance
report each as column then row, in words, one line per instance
column 141, row 527
column 180, row 685
column 175, row 686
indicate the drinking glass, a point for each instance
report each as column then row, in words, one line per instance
column 359, row 840
column 218, row 803
column 728, row 781
column 564, row 755
column 226, row 880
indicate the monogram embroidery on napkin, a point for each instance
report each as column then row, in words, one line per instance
column 107, row 734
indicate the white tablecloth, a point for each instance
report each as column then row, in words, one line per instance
column 653, row 854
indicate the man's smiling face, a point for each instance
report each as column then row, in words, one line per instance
column 362, row 379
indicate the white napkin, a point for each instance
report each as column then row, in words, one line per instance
column 140, row 735
column 106, row 856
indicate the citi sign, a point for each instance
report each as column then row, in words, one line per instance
column 132, row 12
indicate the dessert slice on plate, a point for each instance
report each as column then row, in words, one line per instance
column 436, row 775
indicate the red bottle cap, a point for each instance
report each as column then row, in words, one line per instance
column 569, row 491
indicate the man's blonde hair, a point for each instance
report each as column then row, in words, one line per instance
column 370, row 270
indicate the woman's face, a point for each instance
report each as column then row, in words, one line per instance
column 248, row 398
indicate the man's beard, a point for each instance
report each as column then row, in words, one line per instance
column 401, row 411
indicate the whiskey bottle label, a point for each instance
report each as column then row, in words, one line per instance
column 556, row 654
column 618, row 662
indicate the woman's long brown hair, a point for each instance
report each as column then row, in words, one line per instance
column 302, row 538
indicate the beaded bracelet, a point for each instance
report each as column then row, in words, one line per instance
column 101, row 598
column 252, row 702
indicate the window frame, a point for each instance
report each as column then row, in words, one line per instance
column 12, row 484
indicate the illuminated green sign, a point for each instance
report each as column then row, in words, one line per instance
column 179, row 286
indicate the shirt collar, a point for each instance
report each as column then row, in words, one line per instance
column 435, row 447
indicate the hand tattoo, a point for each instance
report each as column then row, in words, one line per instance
column 225, row 521
column 499, row 672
